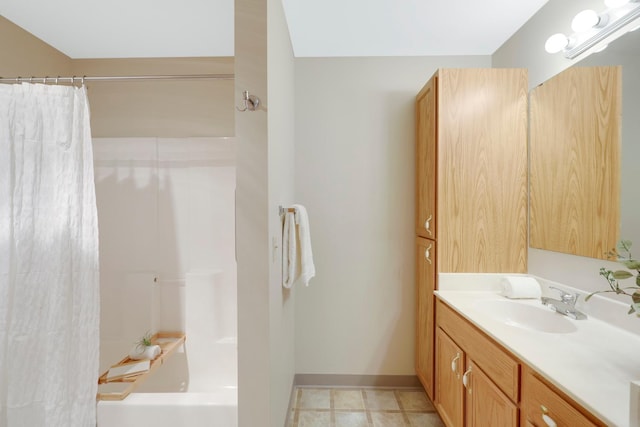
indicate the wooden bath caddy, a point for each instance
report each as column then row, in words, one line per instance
column 168, row 342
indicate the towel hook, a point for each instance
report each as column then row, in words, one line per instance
column 251, row 102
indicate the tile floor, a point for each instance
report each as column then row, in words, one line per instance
column 362, row 407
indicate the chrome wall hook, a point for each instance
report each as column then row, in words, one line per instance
column 251, row 102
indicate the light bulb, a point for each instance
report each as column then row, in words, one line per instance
column 615, row 3
column 585, row 20
column 556, row 43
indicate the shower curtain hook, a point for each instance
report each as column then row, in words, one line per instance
column 73, row 81
column 31, row 79
column 57, row 78
column 18, row 79
column 83, row 77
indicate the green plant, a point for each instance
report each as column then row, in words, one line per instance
column 144, row 341
column 623, row 255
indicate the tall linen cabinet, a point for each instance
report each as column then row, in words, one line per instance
column 471, row 186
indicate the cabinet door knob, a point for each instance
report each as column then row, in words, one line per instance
column 546, row 418
column 427, row 225
column 465, row 379
column 427, row 253
column 454, row 364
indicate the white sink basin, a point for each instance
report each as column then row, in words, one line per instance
column 525, row 316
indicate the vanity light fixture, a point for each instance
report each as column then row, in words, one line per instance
column 587, row 20
column 592, row 28
column 556, row 43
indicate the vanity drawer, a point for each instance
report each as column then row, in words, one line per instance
column 539, row 399
column 496, row 363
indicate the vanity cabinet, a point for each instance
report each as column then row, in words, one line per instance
column 542, row 406
column 480, row 383
column 466, row 395
column 450, row 361
column 476, row 381
column 487, row 405
column 471, row 185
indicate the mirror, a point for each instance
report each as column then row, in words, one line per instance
column 597, row 236
column 625, row 51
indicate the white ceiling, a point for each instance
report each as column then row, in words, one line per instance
column 169, row 28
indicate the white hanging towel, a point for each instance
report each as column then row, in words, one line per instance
column 297, row 265
column 289, row 250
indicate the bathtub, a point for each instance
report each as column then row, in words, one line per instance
column 217, row 408
column 179, row 394
column 196, row 386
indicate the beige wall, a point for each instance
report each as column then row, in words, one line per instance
column 182, row 108
column 526, row 49
column 132, row 109
column 355, row 173
column 264, row 66
column 252, row 228
column 22, row 54
column 281, row 106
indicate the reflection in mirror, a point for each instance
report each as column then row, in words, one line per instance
column 571, row 221
column 574, row 162
column 626, row 52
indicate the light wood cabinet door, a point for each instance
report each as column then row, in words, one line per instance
column 426, row 134
column 499, row 365
column 450, row 362
column 486, row 405
column 482, row 170
column 425, row 315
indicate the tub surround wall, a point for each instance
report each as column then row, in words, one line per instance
column 166, row 221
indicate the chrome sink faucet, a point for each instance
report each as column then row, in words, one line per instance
column 565, row 305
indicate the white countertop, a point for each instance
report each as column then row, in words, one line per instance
column 594, row 363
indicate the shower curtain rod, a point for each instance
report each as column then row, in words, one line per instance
column 83, row 79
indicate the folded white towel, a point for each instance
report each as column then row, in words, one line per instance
column 520, row 287
column 297, row 256
column 145, row 352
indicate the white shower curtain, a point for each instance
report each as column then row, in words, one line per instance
column 49, row 282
